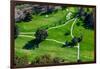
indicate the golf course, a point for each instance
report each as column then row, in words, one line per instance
column 61, row 26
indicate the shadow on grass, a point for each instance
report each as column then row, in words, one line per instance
column 32, row 44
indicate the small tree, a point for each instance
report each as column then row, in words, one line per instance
column 89, row 21
column 74, row 41
column 28, row 16
column 67, row 33
column 80, row 38
column 41, row 34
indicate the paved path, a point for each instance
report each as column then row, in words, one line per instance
column 27, row 33
column 23, row 34
column 46, row 39
column 72, row 28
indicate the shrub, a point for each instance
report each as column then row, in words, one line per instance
column 21, row 61
column 28, row 16
column 67, row 33
column 89, row 21
column 41, row 34
column 46, row 59
column 73, row 42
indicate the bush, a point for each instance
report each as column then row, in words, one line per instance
column 46, row 59
column 28, row 16
column 73, row 42
column 21, row 61
column 41, row 34
column 89, row 21
column 67, row 33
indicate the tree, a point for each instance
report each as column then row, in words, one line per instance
column 89, row 21
column 41, row 34
column 73, row 42
column 80, row 38
column 28, row 16
column 87, row 15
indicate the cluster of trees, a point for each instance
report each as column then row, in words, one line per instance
column 87, row 15
column 24, row 12
column 73, row 42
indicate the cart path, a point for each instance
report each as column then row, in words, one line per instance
column 54, row 39
column 45, row 39
column 72, row 28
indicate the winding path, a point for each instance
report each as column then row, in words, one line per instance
column 68, row 15
column 61, row 25
column 78, row 45
column 72, row 28
column 22, row 35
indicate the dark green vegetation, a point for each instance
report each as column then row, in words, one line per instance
column 48, row 30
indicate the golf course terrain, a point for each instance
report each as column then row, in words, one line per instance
column 61, row 26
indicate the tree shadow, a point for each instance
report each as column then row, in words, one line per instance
column 32, row 44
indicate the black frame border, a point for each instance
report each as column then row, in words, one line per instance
column 12, row 7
